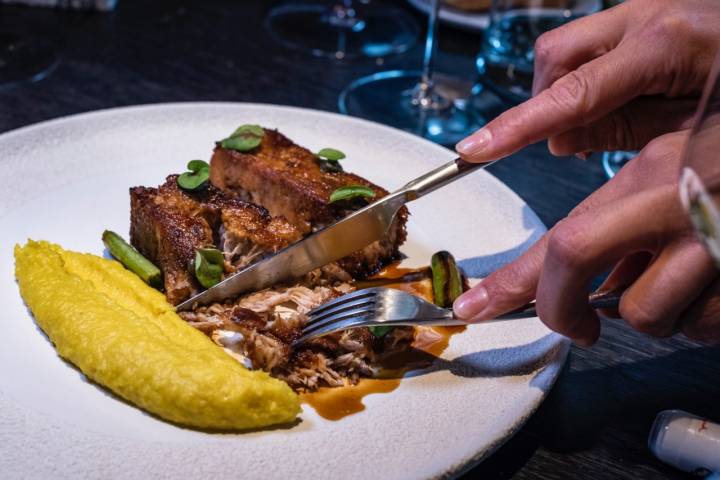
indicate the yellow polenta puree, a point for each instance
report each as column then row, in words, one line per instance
column 123, row 334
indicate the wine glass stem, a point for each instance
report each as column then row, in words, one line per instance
column 430, row 48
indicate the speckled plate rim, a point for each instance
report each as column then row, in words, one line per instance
column 545, row 375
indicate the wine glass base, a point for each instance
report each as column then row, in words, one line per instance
column 376, row 31
column 389, row 98
column 24, row 59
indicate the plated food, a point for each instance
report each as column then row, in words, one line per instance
column 70, row 182
column 260, row 193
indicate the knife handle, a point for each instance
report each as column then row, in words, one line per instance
column 440, row 177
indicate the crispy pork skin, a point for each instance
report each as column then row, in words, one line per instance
column 169, row 224
column 288, row 180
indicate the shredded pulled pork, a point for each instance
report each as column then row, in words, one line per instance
column 259, row 329
column 239, row 251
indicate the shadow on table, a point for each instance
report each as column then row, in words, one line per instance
column 627, row 395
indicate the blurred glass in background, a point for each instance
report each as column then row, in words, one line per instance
column 24, row 58
column 506, row 57
column 343, row 28
column 421, row 102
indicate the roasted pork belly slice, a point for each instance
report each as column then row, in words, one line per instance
column 168, row 225
column 167, row 232
column 288, row 180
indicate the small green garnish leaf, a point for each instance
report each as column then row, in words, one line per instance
column 209, row 266
column 330, row 154
column 197, row 177
column 351, row 191
column 379, row 331
column 256, row 130
column 197, row 165
column 244, row 138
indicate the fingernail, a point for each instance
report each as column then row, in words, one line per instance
column 472, row 303
column 474, row 144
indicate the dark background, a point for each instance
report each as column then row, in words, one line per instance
column 596, row 420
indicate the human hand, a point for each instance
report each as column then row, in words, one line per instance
column 635, row 223
column 610, row 81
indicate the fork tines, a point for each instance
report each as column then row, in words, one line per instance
column 351, row 301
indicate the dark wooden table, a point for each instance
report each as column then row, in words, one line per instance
column 596, row 420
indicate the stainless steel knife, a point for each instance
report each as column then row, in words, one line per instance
column 352, row 233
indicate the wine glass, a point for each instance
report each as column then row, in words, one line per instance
column 700, row 173
column 437, row 107
column 343, row 29
column 24, row 59
column 507, row 53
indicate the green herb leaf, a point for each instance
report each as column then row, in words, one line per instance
column 350, row 192
column 208, row 266
column 379, row 331
column 197, row 165
column 197, row 177
column 244, row 138
column 330, row 154
column 255, row 130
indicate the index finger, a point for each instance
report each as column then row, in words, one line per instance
column 565, row 48
column 578, row 98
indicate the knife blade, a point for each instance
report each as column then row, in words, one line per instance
column 352, row 233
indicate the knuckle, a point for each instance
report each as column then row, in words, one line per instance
column 571, row 92
column 547, row 311
column 567, row 243
column 662, row 148
column 642, row 318
column 670, row 27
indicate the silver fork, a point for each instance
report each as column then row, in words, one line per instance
column 380, row 306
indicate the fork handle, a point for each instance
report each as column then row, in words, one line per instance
column 440, row 177
column 604, row 299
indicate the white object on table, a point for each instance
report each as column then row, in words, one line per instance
column 686, row 441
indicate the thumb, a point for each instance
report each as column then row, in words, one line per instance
column 505, row 289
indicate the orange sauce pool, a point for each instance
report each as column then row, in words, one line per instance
column 429, row 343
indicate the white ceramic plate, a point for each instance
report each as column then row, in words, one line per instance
column 470, row 21
column 66, row 180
